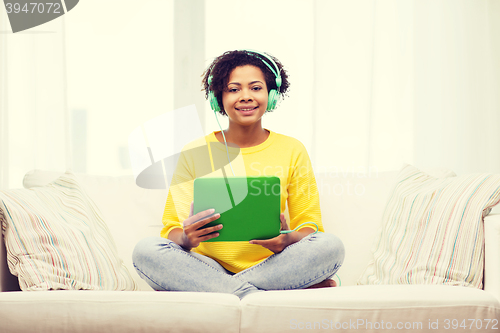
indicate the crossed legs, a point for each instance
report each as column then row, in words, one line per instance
column 166, row 266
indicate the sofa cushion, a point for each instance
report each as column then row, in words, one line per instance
column 56, row 239
column 384, row 308
column 120, row 312
column 433, row 230
column 131, row 213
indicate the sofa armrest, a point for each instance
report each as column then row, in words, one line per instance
column 492, row 254
column 8, row 282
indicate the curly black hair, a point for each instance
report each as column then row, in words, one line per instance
column 223, row 65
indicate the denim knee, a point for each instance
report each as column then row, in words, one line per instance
column 330, row 247
column 146, row 247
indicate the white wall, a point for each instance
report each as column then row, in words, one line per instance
column 373, row 83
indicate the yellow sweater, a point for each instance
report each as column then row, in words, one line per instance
column 279, row 155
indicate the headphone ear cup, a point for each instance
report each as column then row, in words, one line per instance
column 213, row 102
column 272, row 99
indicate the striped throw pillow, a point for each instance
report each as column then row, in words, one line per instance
column 432, row 230
column 56, row 238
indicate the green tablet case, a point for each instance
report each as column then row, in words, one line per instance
column 249, row 207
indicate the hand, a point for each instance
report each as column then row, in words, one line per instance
column 278, row 243
column 192, row 234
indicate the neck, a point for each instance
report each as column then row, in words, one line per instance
column 246, row 136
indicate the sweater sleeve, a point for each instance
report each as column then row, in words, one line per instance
column 303, row 196
column 180, row 196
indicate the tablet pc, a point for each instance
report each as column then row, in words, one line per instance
column 249, row 207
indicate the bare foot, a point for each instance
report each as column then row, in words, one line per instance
column 324, row 284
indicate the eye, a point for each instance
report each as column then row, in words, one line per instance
column 232, row 89
column 257, row 88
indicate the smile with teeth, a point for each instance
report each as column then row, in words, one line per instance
column 246, row 109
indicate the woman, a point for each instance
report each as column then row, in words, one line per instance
column 243, row 85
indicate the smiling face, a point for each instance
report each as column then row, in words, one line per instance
column 245, row 97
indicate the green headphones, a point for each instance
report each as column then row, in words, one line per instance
column 273, row 93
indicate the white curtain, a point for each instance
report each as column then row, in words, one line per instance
column 375, row 83
column 457, row 84
column 73, row 89
column 378, row 83
column 33, row 110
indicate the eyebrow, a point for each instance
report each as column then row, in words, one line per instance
column 239, row 84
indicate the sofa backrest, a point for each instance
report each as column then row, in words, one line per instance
column 352, row 205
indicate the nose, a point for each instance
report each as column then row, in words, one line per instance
column 245, row 95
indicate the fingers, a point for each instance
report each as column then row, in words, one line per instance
column 209, row 236
column 284, row 225
column 197, row 229
column 194, row 235
column 275, row 244
column 267, row 242
column 198, row 217
column 259, row 242
column 199, row 224
column 191, row 210
column 206, row 231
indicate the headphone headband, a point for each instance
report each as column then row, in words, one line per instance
column 275, row 70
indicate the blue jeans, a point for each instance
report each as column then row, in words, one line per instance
column 166, row 266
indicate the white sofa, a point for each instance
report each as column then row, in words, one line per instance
column 352, row 205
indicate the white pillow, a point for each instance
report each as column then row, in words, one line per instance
column 432, row 230
column 56, row 239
